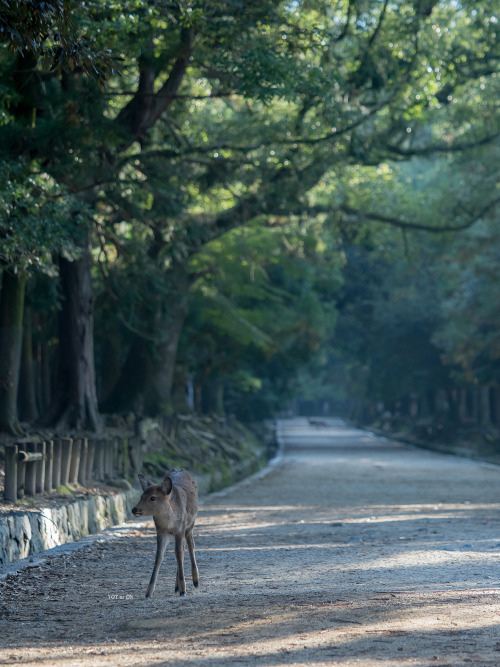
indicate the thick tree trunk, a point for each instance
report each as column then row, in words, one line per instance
column 27, row 393
column 454, row 406
column 219, row 398
column 213, row 397
column 496, row 410
column 485, row 406
column 146, row 380
column 158, row 398
column 128, row 394
column 11, row 334
column 462, row 411
column 74, row 405
column 45, row 379
column 109, row 367
column 180, row 400
column 200, row 381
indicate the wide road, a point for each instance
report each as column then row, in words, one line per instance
column 353, row 550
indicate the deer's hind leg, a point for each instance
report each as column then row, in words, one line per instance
column 194, row 567
column 180, row 547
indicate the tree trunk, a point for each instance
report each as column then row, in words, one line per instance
column 11, row 333
column 109, row 367
column 45, row 379
column 27, row 394
column 496, row 410
column 74, row 405
column 146, row 380
column 454, row 406
column 219, row 398
column 485, row 406
column 462, row 411
column 180, row 399
column 128, row 394
column 213, row 397
column 200, row 380
column 158, row 398
column 474, row 394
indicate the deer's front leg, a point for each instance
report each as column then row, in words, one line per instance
column 161, row 544
column 180, row 545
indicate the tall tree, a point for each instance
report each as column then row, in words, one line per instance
column 220, row 116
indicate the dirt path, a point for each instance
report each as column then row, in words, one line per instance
column 352, row 551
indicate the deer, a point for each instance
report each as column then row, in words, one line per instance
column 173, row 504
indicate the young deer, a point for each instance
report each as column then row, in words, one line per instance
column 173, row 504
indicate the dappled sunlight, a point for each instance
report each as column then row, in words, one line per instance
column 423, row 625
column 327, row 561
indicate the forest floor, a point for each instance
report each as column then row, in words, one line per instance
column 353, row 550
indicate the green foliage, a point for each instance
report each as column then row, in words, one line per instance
column 34, row 219
column 264, row 302
column 241, row 170
column 55, row 33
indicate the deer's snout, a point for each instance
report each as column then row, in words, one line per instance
column 137, row 512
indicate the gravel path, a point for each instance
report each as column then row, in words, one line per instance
column 351, row 551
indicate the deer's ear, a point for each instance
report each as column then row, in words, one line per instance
column 144, row 481
column 167, row 485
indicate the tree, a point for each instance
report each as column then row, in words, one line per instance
column 289, row 142
column 32, row 227
column 221, row 118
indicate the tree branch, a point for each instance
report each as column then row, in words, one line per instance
column 146, row 107
column 345, row 28
column 405, row 224
column 373, row 37
column 442, row 148
column 127, row 93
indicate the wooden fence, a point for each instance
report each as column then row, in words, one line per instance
column 32, row 468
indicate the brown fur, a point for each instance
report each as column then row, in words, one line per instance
column 173, row 504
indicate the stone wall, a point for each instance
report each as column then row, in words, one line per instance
column 27, row 532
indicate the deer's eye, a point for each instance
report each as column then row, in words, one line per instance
column 153, row 498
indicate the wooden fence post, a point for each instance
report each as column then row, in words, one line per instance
column 21, row 478
column 49, row 453
column 89, row 477
column 135, row 455
column 75, row 461
column 124, row 462
column 82, row 470
column 30, row 477
column 99, row 465
column 116, row 458
column 67, row 446
column 10, row 491
column 108, row 454
column 40, row 467
column 56, row 464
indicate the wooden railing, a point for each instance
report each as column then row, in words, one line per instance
column 33, row 468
